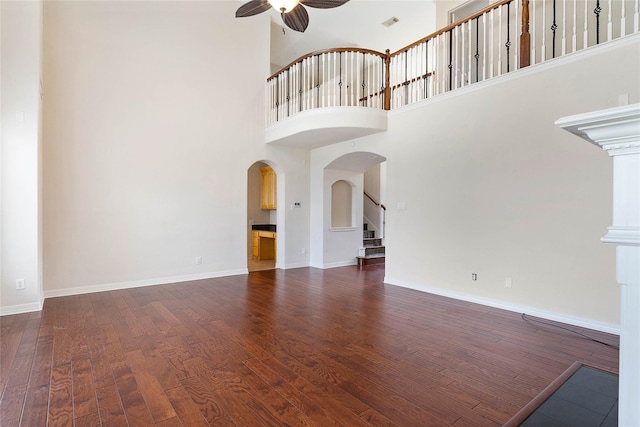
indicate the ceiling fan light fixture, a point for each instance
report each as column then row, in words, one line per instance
column 283, row 6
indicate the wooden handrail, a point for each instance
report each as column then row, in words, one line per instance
column 320, row 52
column 374, row 202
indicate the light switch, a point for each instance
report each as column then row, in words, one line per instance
column 401, row 206
column 20, row 116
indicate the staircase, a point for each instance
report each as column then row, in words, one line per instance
column 372, row 251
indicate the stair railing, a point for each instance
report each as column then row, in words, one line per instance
column 380, row 212
column 503, row 37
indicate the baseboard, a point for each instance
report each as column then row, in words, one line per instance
column 20, row 308
column 570, row 320
column 141, row 283
column 296, row 265
column 339, row 264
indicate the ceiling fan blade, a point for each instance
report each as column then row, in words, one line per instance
column 252, row 7
column 323, row 4
column 297, row 18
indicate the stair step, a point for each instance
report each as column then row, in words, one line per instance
column 370, row 259
column 369, row 234
column 376, row 241
column 374, row 250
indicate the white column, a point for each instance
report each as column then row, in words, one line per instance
column 617, row 131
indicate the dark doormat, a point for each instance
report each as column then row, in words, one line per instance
column 583, row 396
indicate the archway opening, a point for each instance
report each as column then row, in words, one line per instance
column 354, row 187
column 262, row 217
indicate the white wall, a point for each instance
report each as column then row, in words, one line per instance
column 151, row 122
column 20, row 232
column 493, row 187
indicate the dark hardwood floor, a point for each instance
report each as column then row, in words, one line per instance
column 296, row 347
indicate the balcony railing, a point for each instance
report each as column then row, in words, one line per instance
column 505, row 36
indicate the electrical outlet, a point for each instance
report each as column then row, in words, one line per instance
column 474, row 276
column 304, row 251
column 507, row 282
column 20, row 284
column 198, row 260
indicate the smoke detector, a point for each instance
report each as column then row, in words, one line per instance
column 389, row 22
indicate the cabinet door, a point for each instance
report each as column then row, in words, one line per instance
column 268, row 200
column 256, row 243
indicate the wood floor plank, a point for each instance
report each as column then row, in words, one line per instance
column 110, row 407
column 206, row 401
column 186, row 409
column 150, row 388
column 35, row 406
column 305, row 346
column 61, row 396
column 12, row 404
column 134, row 405
column 84, row 396
column 8, row 350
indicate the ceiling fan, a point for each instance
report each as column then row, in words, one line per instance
column 292, row 11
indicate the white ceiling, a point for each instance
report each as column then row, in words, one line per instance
column 357, row 23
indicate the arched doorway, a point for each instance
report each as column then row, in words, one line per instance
column 262, row 217
column 354, row 186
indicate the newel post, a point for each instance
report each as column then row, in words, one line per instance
column 617, row 131
column 387, row 82
column 525, row 37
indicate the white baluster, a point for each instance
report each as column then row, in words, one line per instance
column 269, row 103
column 484, row 46
column 610, row 23
column 636, row 17
column 623, row 20
column 499, row 71
column 312, row 81
column 533, row 32
column 574, row 39
column 543, row 47
column 491, row 42
column 564, row 27
column 323, row 80
column 454, row 60
column 311, row 77
column 283, row 101
column 336, row 76
column 443, row 63
column 307, row 84
column 516, row 50
column 463, row 62
column 367, row 78
column 417, row 68
column 437, row 52
column 586, row 25
column 470, row 50
column 352, row 77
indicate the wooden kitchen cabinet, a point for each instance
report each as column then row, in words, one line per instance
column 268, row 193
column 264, row 245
